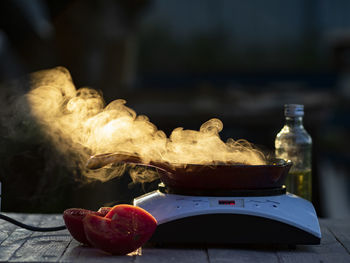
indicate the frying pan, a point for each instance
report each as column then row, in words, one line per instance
column 206, row 177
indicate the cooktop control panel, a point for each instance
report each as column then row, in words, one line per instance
column 227, row 202
column 202, row 202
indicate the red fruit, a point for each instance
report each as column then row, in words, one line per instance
column 104, row 210
column 73, row 218
column 124, row 229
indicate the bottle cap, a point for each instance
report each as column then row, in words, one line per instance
column 293, row 110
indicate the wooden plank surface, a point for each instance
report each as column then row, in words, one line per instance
column 328, row 251
column 16, row 238
column 75, row 252
column 6, row 228
column 242, row 254
column 43, row 246
column 340, row 228
column 20, row 245
column 172, row 255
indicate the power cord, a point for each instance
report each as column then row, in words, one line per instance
column 32, row 228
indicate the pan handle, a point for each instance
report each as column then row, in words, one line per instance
column 101, row 160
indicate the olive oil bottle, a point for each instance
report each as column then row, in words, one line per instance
column 294, row 143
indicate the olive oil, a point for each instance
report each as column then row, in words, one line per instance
column 300, row 183
column 294, row 143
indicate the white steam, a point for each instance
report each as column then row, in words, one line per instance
column 80, row 122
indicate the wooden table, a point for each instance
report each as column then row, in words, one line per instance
column 20, row 245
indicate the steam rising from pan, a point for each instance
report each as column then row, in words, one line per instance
column 79, row 121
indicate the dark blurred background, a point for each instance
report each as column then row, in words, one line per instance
column 181, row 63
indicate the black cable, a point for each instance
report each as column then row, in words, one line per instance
column 32, row 228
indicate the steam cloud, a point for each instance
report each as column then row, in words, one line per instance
column 79, row 121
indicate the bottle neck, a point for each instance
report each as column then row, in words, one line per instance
column 294, row 121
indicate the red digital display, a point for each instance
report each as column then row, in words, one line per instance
column 227, row 202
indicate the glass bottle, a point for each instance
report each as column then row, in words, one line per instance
column 295, row 144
